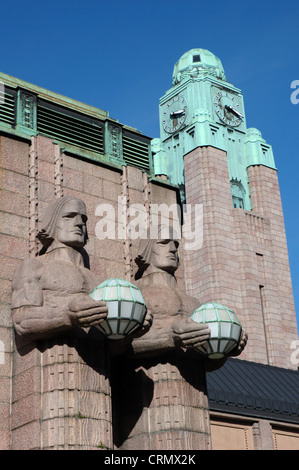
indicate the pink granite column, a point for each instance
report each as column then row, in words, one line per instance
column 161, row 405
column 62, row 395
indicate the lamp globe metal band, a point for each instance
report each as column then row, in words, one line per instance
column 225, row 329
column 126, row 307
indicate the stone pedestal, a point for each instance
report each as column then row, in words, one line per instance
column 62, row 395
column 161, row 405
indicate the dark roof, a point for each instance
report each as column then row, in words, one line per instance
column 255, row 390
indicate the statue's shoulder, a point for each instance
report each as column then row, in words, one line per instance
column 26, row 269
column 149, row 287
column 25, row 283
column 30, row 264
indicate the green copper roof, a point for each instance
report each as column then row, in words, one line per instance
column 53, row 97
column 28, row 110
column 197, row 62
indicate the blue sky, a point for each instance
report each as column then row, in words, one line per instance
column 119, row 57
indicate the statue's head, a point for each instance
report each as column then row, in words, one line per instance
column 159, row 252
column 65, row 222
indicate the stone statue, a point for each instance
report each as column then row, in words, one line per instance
column 171, row 307
column 165, row 403
column 156, row 365
column 54, row 319
column 51, row 292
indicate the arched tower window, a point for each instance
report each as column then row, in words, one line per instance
column 238, row 193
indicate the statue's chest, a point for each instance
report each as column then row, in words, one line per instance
column 166, row 302
column 63, row 277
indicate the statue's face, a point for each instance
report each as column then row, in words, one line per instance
column 165, row 255
column 71, row 224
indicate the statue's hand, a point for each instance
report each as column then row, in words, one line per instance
column 86, row 312
column 241, row 345
column 189, row 334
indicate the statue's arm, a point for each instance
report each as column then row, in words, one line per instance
column 31, row 317
column 166, row 334
column 40, row 322
column 171, row 333
column 38, row 314
column 158, row 340
column 154, row 342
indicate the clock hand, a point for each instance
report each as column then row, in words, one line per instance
column 180, row 111
column 230, row 108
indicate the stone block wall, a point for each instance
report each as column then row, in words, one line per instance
column 14, row 245
column 277, row 293
column 46, row 392
column 243, row 262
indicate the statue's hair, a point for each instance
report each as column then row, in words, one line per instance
column 46, row 234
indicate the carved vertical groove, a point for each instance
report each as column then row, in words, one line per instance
column 146, row 197
column 124, row 214
column 33, row 198
column 58, row 173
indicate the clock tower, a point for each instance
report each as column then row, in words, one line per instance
column 207, row 151
column 203, row 109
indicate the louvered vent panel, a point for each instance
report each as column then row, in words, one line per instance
column 70, row 129
column 7, row 109
column 136, row 152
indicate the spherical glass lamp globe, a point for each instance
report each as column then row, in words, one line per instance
column 126, row 307
column 225, row 329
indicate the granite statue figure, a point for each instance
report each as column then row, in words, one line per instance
column 50, row 292
column 171, row 306
column 166, row 399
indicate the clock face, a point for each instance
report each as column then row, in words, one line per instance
column 228, row 108
column 174, row 114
